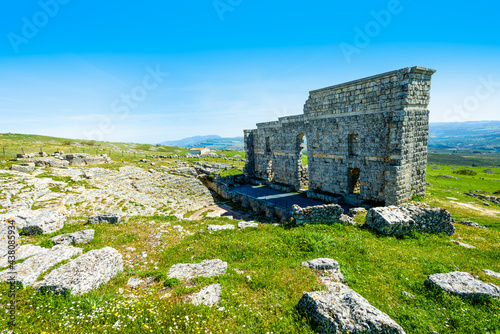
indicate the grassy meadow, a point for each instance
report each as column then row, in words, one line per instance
column 380, row 268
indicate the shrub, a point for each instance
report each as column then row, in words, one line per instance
column 465, row 172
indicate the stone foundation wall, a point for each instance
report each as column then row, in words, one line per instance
column 319, row 214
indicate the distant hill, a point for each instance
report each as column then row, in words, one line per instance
column 211, row 141
column 479, row 136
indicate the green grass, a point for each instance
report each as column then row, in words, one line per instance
column 231, row 171
column 466, row 158
column 379, row 268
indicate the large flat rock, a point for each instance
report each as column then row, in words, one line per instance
column 80, row 237
column 84, row 273
column 112, row 218
column 209, row 295
column 491, row 273
column 23, row 252
column 243, row 224
column 345, row 311
column 462, row 284
column 206, row 268
column 329, row 270
column 42, row 221
column 29, row 270
column 401, row 220
column 220, row 227
column 340, row 309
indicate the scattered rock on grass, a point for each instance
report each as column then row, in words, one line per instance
column 407, row 294
column 329, row 270
column 209, row 295
column 354, row 211
column 470, row 223
column 42, row 221
column 84, row 273
column 220, row 227
column 447, row 176
column 401, row 220
column 345, row 311
column 80, row 237
column 206, row 268
column 456, row 242
column 108, row 218
column 462, row 284
column 242, row 225
column 23, row 252
column 346, row 219
column 491, row 273
column 29, row 167
column 29, row 270
column 134, row 282
column 340, row 309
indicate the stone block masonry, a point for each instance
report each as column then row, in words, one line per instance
column 366, row 140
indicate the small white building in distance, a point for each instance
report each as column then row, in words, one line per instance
column 199, row 150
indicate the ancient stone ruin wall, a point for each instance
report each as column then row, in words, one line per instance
column 366, row 140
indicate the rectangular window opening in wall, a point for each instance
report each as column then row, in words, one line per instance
column 354, row 186
column 353, row 144
column 268, row 145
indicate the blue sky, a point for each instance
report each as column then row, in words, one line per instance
column 162, row 70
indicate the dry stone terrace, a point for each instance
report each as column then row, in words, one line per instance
column 366, row 140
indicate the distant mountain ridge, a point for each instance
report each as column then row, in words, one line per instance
column 211, row 141
column 477, row 135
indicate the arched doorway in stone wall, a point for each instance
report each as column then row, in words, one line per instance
column 302, row 162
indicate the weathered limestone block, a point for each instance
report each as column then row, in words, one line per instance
column 340, row 309
column 243, row 224
column 42, row 221
column 329, row 270
column 401, row 220
column 107, row 218
column 462, row 284
column 491, row 273
column 206, row 268
column 80, row 237
column 29, row 270
column 345, row 311
column 354, row 211
column 220, row 227
column 209, row 295
column 84, row 273
column 470, row 223
column 24, row 167
column 22, row 252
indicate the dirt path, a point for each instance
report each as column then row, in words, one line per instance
column 223, row 210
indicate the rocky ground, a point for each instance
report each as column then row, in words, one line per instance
column 86, row 191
